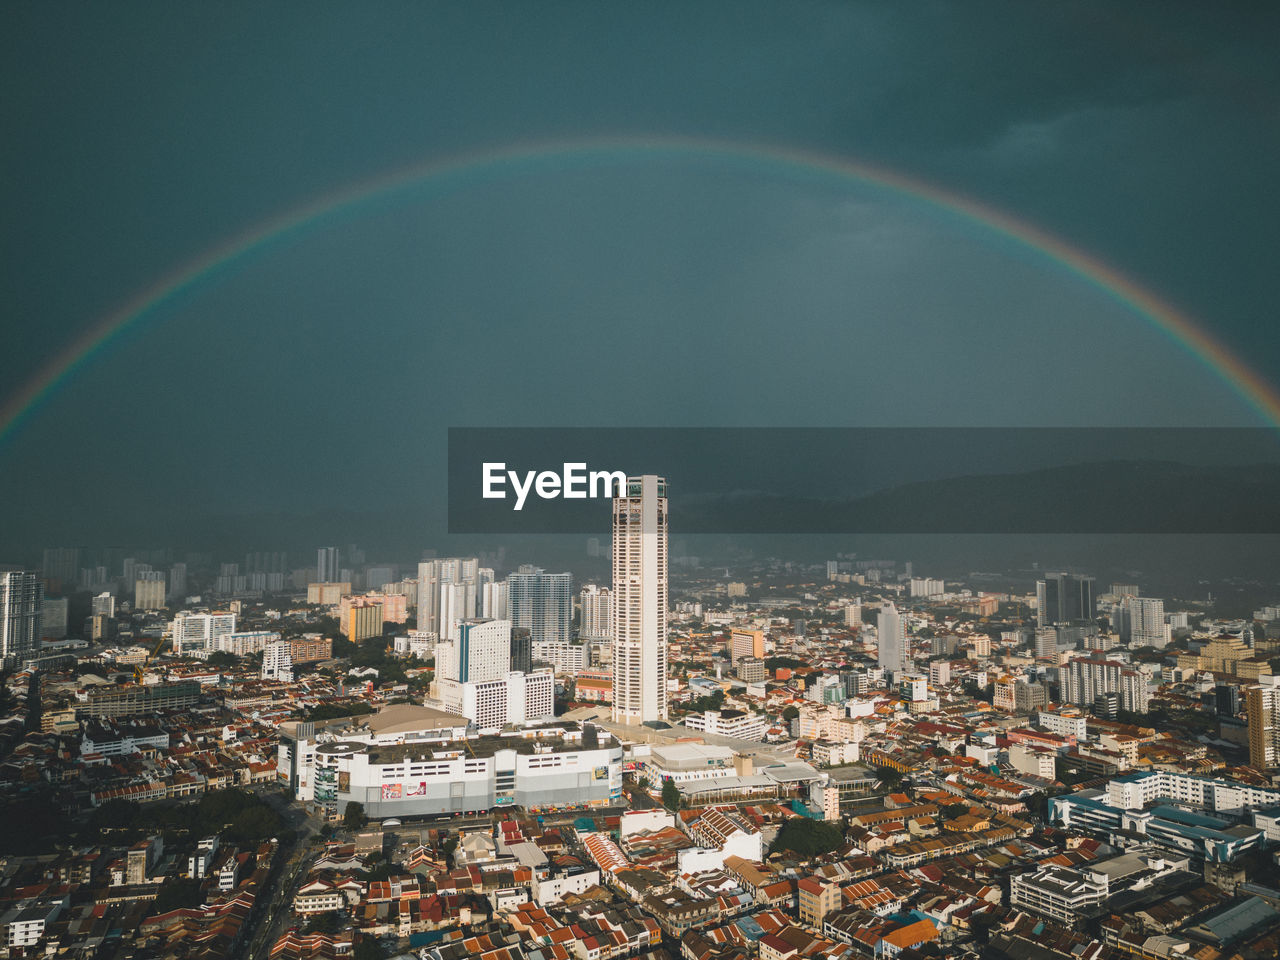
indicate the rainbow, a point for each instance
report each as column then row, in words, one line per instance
column 1258, row 393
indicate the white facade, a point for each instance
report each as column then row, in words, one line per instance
column 563, row 656
column 1142, row 622
column 277, row 661
column 597, row 612
column 640, row 601
column 891, row 654
column 481, row 651
column 199, row 632
column 495, row 600
column 21, row 608
column 491, row 705
column 729, row 723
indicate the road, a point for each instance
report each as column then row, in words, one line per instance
column 273, row 910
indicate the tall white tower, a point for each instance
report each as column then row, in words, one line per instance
column 21, row 605
column 892, row 653
column 640, row 601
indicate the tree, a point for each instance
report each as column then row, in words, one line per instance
column 807, row 837
column 368, row 948
column 221, row 658
column 670, row 795
column 353, row 817
column 790, row 713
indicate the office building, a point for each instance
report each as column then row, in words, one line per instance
column 21, row 609
column 1262, row 707
column 745, row 643
column 597, row 612
column 521, row 650
column 1063, row 598
column 891, row 654
column 640, row 601
column 542, row 603
column 751, row 670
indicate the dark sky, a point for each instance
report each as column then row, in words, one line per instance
column 322, row 373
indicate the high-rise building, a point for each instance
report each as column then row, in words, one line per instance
column 640, row 601
column 1063, row 598
column 853, row 615
column 924, row 587
column 1262, row 706
column 542, row 603
column 495, row 600
column 597, row 612
column 105, row 604
column 178, row 581
column 521, row 650
column 363, row 619
column 745, row 643
column 61, row 566
column 197, row 632
column 327, row 569
column 449, row 592
column 1086, row 678
column 148, row 592
column 21, row 607
column 891, row 642
column 482, row 651
column 54, row 618
column 1142, row 622
column 277, row 660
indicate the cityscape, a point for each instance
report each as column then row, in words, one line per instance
column 740, row 480
column 206, row 757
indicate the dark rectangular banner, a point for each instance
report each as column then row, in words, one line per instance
column 871, row 479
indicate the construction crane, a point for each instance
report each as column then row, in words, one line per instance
column 139, row 670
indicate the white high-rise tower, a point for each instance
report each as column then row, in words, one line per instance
column 892, row 652
column 640, row 601
column 21, row 605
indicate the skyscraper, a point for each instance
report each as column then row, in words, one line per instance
column 1141, row 622
column 542, row 603
column 495, row 602
column 481, row 652
column 1262, row 707
column 1063, row 598
column 640, row 601
column 327, row 565
column 521, row 650
column 21, row 606
column 891, row 645
column 597, row 612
